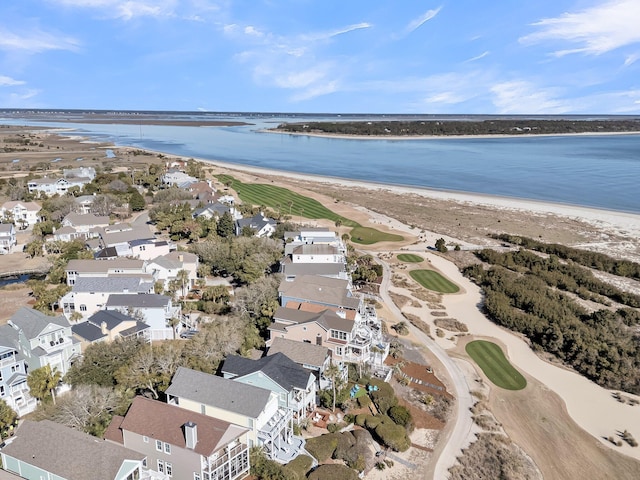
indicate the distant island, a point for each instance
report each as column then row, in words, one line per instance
column 443, row 128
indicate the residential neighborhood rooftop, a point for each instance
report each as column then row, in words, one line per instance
column 278, row 367
column 299, row 352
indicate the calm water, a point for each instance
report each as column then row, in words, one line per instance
column 598, row 171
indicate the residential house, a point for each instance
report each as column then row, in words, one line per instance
column 13, row 374
column 102, row 269
column 157, row 311
column 50, row 186
column 84, row 203
column 216, row 210
column 80, row 174
column 85, row 222
column 7, row 238
column 178, row 178
column 352, row 338
column 202, row 191
column 43, row 339
column 313, row 236
column 49, row 450
column 295, row 386
column 311, row 357
column 166, row 267
column 88, row 295
column 23, row 214
column 181, row 443
column 248, row 406
column 107, row 326
column 259, row 224
column 324, row 291
column 137, row 242
column 292, row 270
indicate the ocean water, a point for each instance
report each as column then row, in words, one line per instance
column 594, row 171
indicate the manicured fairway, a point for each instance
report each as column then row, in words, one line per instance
column 286, row 202
column 433, row 281
column 495, row 365
column 410, row 258
column 367, row 236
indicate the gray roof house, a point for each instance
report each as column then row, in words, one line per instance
column 13, row 374
column 329, row 292
column 50, row 450
column 155, row 310
column 246, row 405
column 44, row 340
column 107, row 326
column 90, row 294
column 295, row 386
column 263, row 226
column 314, row 358
column 7, row 237
column 181, row 443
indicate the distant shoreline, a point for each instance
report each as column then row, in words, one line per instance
column 442, row 137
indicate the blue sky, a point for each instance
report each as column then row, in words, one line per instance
column 409, row 56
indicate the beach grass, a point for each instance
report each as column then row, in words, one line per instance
column 490, row 358
column 432, row 280
column 410, row 258
column 286, row 202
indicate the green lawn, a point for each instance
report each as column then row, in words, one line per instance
column 410, row 258
column 433, row 281
column 286, row 202
column 495, row 365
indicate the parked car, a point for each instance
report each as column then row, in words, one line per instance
column 188, row 333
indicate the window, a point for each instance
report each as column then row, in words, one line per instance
column 169, row 468
column 338, row 334
column 338, row 350
column 15, row 368
column 83, row 308
column 160, row 466
column 158, row 445
column 167, row 448
column 2, row 390
column 196, row 476
column 144, row 462
column 145, row 439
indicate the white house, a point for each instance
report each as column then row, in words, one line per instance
column 88, row 295
column 166, row 267
column 23, row 214
column 157, row 311
column 83, row 268
column 261, row 225
column 7, row 237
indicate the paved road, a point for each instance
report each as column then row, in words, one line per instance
column 464, row 401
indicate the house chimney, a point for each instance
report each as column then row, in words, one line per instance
column 181, row 258
column 103, row 328
column 191, row 434
column 319, row 339
column 341, row 313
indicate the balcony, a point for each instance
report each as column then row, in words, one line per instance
column 58, row 344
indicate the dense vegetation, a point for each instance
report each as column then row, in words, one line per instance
column 595, row 260
column 519, row 126
column 523, row 292
column 490, row 358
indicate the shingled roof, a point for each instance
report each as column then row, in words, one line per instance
column 66, row 452
column 161, row 421
column 279, row 368
column 300, row 352
column 219, row 392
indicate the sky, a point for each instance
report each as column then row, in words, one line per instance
column 349, row 56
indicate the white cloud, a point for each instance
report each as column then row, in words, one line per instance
column 421, row 20
column 252, row 31
column 477, row 57
column 594, row 31
column 631, row 59
column 316, row 91
column 9, row 82
column 350, row 28
column 521, row 96
column 126, row 9
column 36, row 41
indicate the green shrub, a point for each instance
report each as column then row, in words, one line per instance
column 334, row 472
column 266, row 469
column 372, row 421
column 349, row 418
column 393, row 436
column 361, row 419
column 333, row 427
column 384, row 398
column 322, row 447
column 401, row 415
column 300, row 465
column 364, row 401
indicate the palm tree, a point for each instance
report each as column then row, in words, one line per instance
column 333, row 372
column 183, row 278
